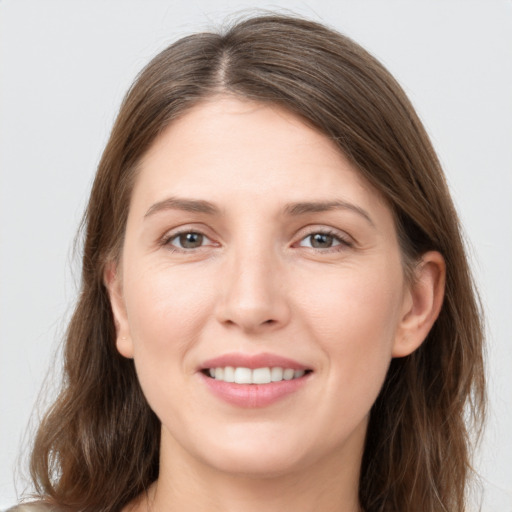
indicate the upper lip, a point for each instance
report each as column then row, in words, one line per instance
column 252, row 361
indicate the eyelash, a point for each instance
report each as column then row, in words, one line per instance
column 343, row 242
column 167, row 239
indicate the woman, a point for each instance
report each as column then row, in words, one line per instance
column 276, row 308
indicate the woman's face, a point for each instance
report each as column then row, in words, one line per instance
column 254, row 247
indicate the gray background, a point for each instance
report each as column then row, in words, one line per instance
column 64, row 67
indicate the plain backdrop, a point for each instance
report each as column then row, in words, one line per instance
column 64, row 67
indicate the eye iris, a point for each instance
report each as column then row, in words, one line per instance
column 321, row 241
column 191, row 240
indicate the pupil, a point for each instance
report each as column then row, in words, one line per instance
column 321, row 241
column 191, row 240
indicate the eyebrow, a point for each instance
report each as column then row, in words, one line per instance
column 301, row 208
column 188, row 205
column 292, row 209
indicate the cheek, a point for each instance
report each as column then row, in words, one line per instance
column 165, row 310
column 355, row 321
column 166, row 315
column 355, row 300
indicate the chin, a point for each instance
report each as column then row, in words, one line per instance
column 257, row 456
column 257, row 466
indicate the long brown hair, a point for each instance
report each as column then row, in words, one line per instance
column 98, row 446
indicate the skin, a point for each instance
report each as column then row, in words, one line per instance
column 255, row 284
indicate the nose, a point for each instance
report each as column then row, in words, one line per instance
column 253, row 294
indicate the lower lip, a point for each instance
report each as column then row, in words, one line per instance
column 254, row 395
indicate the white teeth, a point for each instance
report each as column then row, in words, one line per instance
column 229, row 374
column 265, row 375
column 261, row 376
column 276, row 374
column 288, row 374
column 243, row 376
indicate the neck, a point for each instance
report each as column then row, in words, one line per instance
column 186, row 484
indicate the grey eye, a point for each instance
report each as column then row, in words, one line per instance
column 190, row 240
column 320, row 241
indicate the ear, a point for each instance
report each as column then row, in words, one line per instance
column 422, row 303
column 113, row 282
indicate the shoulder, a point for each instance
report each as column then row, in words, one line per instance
column 36, row 506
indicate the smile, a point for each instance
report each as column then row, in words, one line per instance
column 265, row 375
column 253, row 380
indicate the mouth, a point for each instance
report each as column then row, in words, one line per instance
column 263, row 375
column 254, row 380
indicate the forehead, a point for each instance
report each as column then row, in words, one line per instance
column 228, row 146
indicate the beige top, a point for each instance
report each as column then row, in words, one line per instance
column 36, row 506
